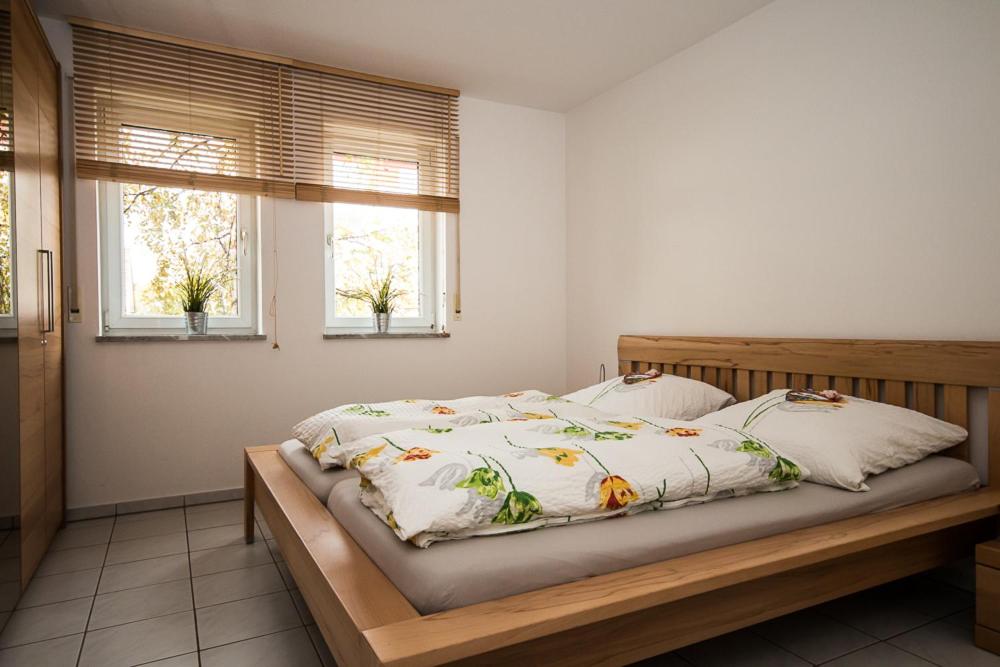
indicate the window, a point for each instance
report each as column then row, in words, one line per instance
column 152, row 234
column 366, row 242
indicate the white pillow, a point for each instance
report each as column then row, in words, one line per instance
column 667, row 396
column 841, row 442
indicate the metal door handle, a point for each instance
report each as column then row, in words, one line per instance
column 50, row 306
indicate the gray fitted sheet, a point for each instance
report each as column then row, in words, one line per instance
column 319, row 481
column 462, row 572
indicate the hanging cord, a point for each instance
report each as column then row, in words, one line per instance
column 273, row 309
column 602, row 374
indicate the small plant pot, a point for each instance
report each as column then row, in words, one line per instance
column 381, row 322
column 196, row 323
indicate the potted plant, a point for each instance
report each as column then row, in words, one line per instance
column 380, row 295
column 196, row 288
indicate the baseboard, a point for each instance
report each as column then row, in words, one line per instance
column 151, row 504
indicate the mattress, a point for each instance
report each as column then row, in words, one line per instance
column 319, row 481
column 462, row 572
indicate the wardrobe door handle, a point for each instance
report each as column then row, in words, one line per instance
column 49, row 316
column 52, row 297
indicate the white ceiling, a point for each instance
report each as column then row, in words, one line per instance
column 549, row 54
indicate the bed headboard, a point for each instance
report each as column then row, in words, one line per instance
column 933, row 377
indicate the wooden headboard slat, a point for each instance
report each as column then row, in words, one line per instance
column 970, row 363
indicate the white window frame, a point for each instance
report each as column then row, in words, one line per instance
column 432, row 280
column 113, row 319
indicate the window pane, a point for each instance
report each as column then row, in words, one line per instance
column 362, row 172
column 166, row 229
column 6, row 248
column 177, row 150
column 368, row 241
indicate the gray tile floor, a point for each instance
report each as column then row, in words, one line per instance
column 179, row 588
column 171, row 588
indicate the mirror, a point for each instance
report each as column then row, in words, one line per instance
column 10, row 442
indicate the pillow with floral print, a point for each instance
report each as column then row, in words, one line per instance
column 666, row 396
column 840, row 439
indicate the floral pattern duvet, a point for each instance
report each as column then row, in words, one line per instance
column 558, row 464
column 331, row 434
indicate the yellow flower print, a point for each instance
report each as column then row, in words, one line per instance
column 442, row 410
column 561, row 455
column 679, row 432
column 391, row 520
column 416, row 454
column 616, row 493
column 360, row 459
column 632, row 426
column 322, row 447
column 514, row 394
column 535, row 415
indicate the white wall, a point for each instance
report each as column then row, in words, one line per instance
column 819, row 169
column 147, row 420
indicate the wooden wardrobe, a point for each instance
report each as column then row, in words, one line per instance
column 35, row 89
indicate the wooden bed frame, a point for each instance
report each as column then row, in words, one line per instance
column 632, row 614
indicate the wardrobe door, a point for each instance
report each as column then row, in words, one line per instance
column 48, row 141
column 30, row 289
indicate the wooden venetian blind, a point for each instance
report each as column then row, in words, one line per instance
column 167, row 111
column 368, row 142
column 156, row 112
column 6, row 95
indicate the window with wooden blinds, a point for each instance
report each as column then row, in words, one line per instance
column 351, row 136
column 172, row 112
column 154, row 112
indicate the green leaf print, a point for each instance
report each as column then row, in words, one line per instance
column 518, row 507
column 574, row 430
column 785, row 471
column 486, row 481
column 611, row 435
column 366, row 410
column 431, row 429
column 754, row 448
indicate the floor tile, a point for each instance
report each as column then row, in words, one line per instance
column 236, row 585
column 880, row 613
column 147, row 547
column 945, row 644
column 83, row 534
column 140, row 642
column 244, row 619
column 213, row 538
column 10, row 569
column 72, row 560
column 229, row 558
column 932, row 597
column 264, row 529
column 60, row 587
column 290, row 647
column 156, row 523
column 214, row 515
column 48, row 622
column 321, row 648
column 144, row 573
column 186, row 660
column 813, row 636
column 879, row 655
column 10, row 592
column 137, row 604
column 739, row 649
column 961, row 574
column 61, row 652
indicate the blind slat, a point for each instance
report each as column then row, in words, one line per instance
column 162, row 112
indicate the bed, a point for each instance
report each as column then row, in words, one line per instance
column 367, row 602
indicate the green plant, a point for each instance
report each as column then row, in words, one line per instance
column 196, row 288
column 378, row 293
